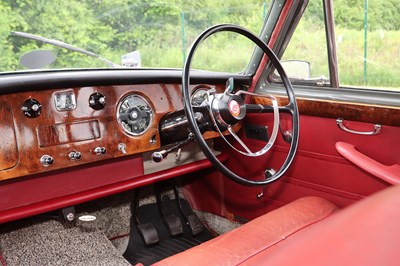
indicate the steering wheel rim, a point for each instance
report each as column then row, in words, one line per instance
column 292, row 106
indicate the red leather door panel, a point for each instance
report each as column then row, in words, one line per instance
column 318, row 169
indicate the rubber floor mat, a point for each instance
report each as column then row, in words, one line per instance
column 138, row 252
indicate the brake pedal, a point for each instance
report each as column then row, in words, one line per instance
column 172, row 222
column 196, row 227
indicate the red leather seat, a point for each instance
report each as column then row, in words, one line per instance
column 305, row 233
column 256, row 236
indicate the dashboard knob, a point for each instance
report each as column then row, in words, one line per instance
column 46, row 160
column 97, row 101
column 31, row 108
column 158, row 156
column 75, row 155
column 100, row 150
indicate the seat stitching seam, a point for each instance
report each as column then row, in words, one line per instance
column 289, row 235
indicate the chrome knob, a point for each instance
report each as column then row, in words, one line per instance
column 46, row 160
column 75, row 155
column 100, row 150
column 102, row 100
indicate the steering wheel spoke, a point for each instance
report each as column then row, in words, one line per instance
column 259, row 108
column 244, row 146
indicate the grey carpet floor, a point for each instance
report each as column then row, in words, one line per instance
column 218, row 224
column 44, row 240
column 50, row 242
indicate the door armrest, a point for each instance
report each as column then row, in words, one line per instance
column 390, row 174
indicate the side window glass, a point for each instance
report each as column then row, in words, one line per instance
column 306, row 57
column 368, row 43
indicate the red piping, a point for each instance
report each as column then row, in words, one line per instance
column 2, row 260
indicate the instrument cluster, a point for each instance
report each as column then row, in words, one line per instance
column 60, row 128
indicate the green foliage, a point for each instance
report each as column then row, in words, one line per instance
column 382, row 14
column 114, row 28
column 309, row 44
column 383, row 43
column 233, row 51
column 382, row 70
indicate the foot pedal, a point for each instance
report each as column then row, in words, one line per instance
column 148, row 233
column 196, row 227
column 194, row 223
column 174, row 224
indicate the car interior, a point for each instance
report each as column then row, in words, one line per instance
column 181, row 166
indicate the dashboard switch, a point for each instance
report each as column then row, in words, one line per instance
column 31, row 108
column 97, row 101
column 122, row 147
column 100, row 150
column 46, row 160
column 75, row 155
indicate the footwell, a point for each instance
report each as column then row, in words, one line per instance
column 167, row 245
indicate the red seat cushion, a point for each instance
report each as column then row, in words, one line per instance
column 260, row 234
column 366, row 233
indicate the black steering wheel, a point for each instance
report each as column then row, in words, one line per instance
column 228, row 108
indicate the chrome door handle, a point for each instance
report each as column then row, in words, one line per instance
column 377, row 128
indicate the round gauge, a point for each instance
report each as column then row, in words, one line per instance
column 199, row 97
column 134, row 114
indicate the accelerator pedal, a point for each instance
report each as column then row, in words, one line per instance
column 194, row 223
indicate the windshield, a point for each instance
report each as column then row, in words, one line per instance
column 38, row 34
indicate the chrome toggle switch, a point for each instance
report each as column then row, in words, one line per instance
column 122, row 147
column 100, row 150
column 75, row 155
column 46, row 160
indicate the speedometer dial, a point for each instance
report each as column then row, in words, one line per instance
column 134, row 114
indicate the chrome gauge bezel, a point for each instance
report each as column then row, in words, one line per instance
column 121, row 123
column 197, row 91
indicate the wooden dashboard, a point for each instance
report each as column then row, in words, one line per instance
column 27, row 142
